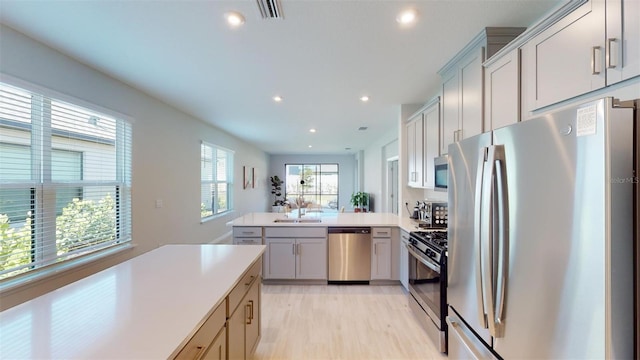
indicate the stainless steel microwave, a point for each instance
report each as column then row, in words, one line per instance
column 440, row 173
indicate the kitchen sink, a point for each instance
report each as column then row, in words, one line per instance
column 300, row 221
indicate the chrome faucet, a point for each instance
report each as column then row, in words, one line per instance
column 299, row 202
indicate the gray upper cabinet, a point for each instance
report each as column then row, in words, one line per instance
column 622, row 47
column 463, row 86
column 415, row 150
column 431, row 141
column 566, row 60
column 423, row 139
column 502, row 91
column 595, row 45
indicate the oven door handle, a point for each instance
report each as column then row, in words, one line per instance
column 427, row 262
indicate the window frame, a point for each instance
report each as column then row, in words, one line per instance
column 214, row 181
column 319, row 193
column 41, row 187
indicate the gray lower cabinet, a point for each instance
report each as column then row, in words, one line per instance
column 247, row 235
column 404, row 259
column 295, row 253
column 381, row 254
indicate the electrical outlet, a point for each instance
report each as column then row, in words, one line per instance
column 159, row 203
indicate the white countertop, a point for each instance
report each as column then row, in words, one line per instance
column 328, row 219
column 143, row 308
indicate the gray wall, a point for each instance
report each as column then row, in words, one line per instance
column 166, row 156
column 346, row 168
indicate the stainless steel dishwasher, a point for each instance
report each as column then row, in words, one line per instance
column 349, row 255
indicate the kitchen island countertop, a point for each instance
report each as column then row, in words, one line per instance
column 327, row 220
column 143, row 308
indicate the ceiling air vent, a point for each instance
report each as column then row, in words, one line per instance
column 270, row 9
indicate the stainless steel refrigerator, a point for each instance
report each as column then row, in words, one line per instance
column 541, row 235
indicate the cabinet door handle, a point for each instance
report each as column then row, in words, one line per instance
column 251, row 306
column 293, row 247
column 375, row 249
column 457, row 135
column 247, row 313
column 593, row 60
column 610, row 64
column 250, row 280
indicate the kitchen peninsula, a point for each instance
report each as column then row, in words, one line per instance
column 153, row 306
column 324, row 220
column 298, row 249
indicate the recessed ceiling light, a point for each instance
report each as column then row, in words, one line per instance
column 277, row 98
column 234, row 18
column 364, row 98
column 407, row 17
column 312, row 130
column 310, row 146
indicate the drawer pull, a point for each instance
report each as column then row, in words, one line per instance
column 200, row 352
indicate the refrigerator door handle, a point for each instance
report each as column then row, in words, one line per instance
column 477, row 238
column 488, row 232
column 473, row 346
column 502, row 210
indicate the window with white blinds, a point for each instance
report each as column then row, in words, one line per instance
column 65, row 178
column 216, row 175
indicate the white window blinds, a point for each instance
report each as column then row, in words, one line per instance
column 65, row 177
column 216, row 175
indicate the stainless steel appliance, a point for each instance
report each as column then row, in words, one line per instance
column 349, row 254
column 541, row 238
column 440, row 171
column 427, row 282
column 434, row 215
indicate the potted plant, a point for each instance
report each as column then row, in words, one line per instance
column 359, row 200
column 276, row 190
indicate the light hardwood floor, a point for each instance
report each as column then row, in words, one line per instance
column 340, row 322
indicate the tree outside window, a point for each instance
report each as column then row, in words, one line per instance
column 65, row 175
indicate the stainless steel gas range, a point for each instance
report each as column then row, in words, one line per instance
column 428, row 282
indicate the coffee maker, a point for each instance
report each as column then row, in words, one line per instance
column 433, row 214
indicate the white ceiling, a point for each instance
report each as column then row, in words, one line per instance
column 321, row 58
